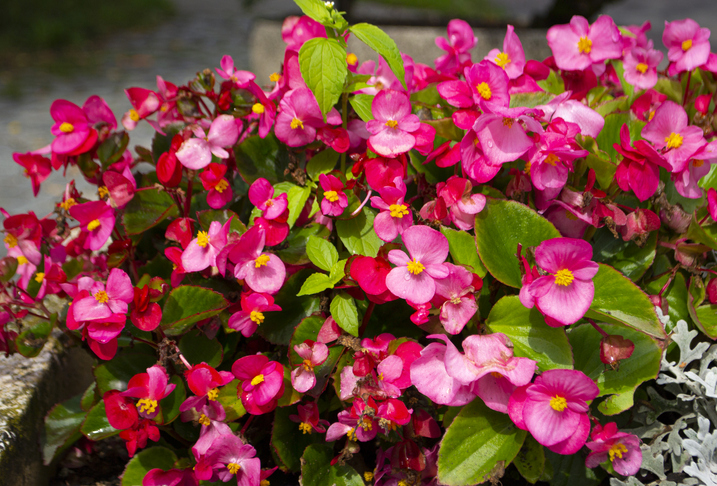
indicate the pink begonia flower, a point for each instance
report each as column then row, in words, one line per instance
column 196, row 153
column 590, row 122
column 262, row 383
column 688, row 45
column 461, row 203
column 167, row 112
column 97, row 219
column 262, row 272
column 474, row 162
column 413, row 278
column 698, row 167
column 393, row 124
column 314, row 354
column 370, row 273
column 640, row 66
column 37, row 168
column 251, row 315
column 459, row 303
column 144, row 103
column 220, row 194
column 174, row 255
column 300, row 118
column 447, row 154
column 264, row 109
column 173, row 477
column 395, row 214
column 554, row 409
column 202, row 251
column 98, row 112
column 308, row 419
column 388, row 372
column 639, row 223
column 381, row 171
column 241, row 79
column 359, row 423
column 552, row 158
column 620, row 448
column 276, row 230
column 121, row 184
column 391, row 414
column 297, row 30
column 335, row 200
column 485, row 83
column 429, row 376
column 261, row 195
column 565, row 294
column 458, row 45
column 150, row 388
column 146, row 315
column 382, row 76
column 229, row 457
column 512, row 57
column 329, row 332
column 639, row 170
column 104, row 301
column 502, row 133
column 72, row 128
column 670, row 131
column 578, row 45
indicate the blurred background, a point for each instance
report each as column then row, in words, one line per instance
column 76, row 48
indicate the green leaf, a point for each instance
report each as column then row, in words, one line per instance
column 632, row 260
column 477, row 440
column 316, row 9
column 317, row 282
column 322, row 163
column 197, row 348
column 258, row 157
column 707, row 235
column 362, row 105
column 344, row 312
column 620, row 71
column 147, row 209
column 706, row 319
column 643, row 365
column 531, row 336
column 530, row 100
column 463, row 250
column 290, row 396
column 357, row 234
column 89, row 397
column 499, row 228
column 323, row 66
column 604, row 170
column 610, row 134
column 619, row 301
column 96, row 426
column 171, row 403
column 446, row 128
column 676, row 295
column 553, row 83
column 30, row 341
column 288, row 441
column 278, row 327
column 222, row 215
column 228, row 397
column 297, row 197
column 322, row 253
column 62, row 428
column 146, row 460
column 295, row 252
column 337, row 272
column 316, row 468
column 570, row 470
column 112, row 149
column 114, row 374
column 188, row 304
column 530, row 461
column 380, row 42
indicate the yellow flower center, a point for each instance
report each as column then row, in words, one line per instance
column 67, row 127
column 398, row 210
column 257, row 380
column 650, row 116
column 202, row 239
column 642, row 67
column 564, row 277
column 570, row 216
column 261, row 261
column 585, row 45
column 204, row 420
column 133, row 115
column 233, row 467
column 527, row 167
column 93, row 225
column 674, row 140
column 39, row 277
column 68, row 203
column 351, row 434
column 147, row 405
column 305, row 428
column 508, row 122
column 10, row 241
column 103, row 191
column 502, row 59
column 617, row 450
column 296, row 123
column 332, row 196
column 366, row 423
column 687, row 45
column 264, row 482
column 21, row 260
column 307, row 365
column 484, row 91
column 351, row 59
column 213, row 394
column 403, row 482
column 698, row 163
column 221, row 186
column 258, row 108
column 558, row 403
column 368, row 476
column 392, row 123
column 102, row 297
column 380, row 377
column 552, row 159
column 415, row 267
column 256, row 316
column 274, row 77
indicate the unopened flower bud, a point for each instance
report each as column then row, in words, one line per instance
column 661, row 302
column 615, row 348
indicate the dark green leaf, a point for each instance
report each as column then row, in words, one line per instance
column 295, row 252
column 706, row 319
column 171, row 403
column 30, row 341
column 188, row 304
column 316, row 468
column 222, row 215
column 112, row 149
column 197, row 348
column 362, row 104
column 62, row 428
column 147, row 209
column 632, row 260
column 553, row 83
column 96, row 426
column 323, row 66
column 380, row 42
column 114, row 374
column 322, row 253
column 229, row 399
column 357, row 234
column 530, row 461
column 463, row 250
column 570, row 470
column 676, row 297
column 322, row 163
column 146, row 460
column 261, row 157
column 288, row 441
column 604, row 170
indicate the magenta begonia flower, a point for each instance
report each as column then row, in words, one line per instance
column 554, row 409
column 97, row 218
column 261, row 195
column 196, row 153
column 202, row 251
column 640, row 166
column 413, row 278
column 512, row 57
column 578, row 45
column 620, row 448
column 698, row 167
column 300, row 117
column 393, row 124
column 335, row 199
column 150, row 388
column 251, row 315
column 314, row 354
column 104, row 301
column 359, row 423
column 688, row 45
column 565, row 294
column 262, row 383
column 37, row 168
column 502, row 133
column 308, row 419
column 395, row 215
column 220, row 194
column 641, row 67
column 458, row 45
column 229, row 457
column 459, row 303
column 263, row 272
column 241, row 79
column 72, row 128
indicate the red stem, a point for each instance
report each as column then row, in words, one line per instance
column 598, row 328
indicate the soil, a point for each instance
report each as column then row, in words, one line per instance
column 92, row 464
